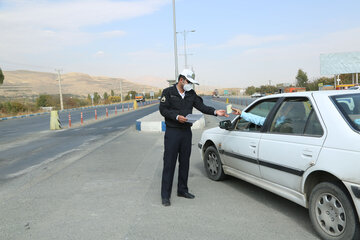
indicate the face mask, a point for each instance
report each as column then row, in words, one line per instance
column 188, row 87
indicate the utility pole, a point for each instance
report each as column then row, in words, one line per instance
column 185, row 53
column 59, row 79
column 121, row 95
column 175, row 42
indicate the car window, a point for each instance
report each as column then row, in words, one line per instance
column 313, row 126
column 296, row 116
column 349, row 107
column 261, row 109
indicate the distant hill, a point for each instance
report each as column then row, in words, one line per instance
column 23, row 83
column 28, row 83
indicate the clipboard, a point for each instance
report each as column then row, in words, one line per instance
column 191, row 118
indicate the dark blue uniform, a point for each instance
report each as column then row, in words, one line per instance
column 177, row 140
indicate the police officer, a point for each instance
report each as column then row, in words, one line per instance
column 177, row 102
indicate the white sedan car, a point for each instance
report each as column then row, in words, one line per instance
column 306, row 151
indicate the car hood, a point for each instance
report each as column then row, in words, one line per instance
column 215, row 130
column 213, row 134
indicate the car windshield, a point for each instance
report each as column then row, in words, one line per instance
column 349, row 107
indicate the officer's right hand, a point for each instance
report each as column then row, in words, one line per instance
column 182, row 119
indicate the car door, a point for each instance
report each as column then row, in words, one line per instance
column 239, row 148
column 292, row 143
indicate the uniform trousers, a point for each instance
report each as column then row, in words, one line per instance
column 177, row 143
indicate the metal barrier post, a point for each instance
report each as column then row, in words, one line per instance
column 69, row 120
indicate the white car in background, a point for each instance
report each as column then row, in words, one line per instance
column 256, row 95
column 354, row 88
column 307, row 151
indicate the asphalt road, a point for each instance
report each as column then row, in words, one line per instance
column 102, row 181
column 15, row 129
column 110, row 189
column 26, row 149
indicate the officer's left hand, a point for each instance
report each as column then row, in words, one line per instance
column 221, row 112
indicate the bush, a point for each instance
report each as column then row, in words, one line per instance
column 45, row 101
column 12, row 107
column 71, row 102
column 114, row 99
column 18, row 107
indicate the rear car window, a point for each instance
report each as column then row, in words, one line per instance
column 349, row 106
column 296, row 116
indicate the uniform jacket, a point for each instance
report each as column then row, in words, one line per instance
column 172, row 104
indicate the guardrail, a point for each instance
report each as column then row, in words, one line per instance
column 234, row 100
column 71, row 109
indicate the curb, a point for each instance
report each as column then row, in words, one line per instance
column 24, row 116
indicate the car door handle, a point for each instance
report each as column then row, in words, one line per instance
column 307, row 154
column 253, row 145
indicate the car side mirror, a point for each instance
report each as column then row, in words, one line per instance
column 226, row 124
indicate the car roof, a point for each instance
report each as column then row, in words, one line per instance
column 315, row 93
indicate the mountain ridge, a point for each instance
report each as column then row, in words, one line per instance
column 29, row 83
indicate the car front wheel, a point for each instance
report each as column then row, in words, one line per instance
column 332, row 213
column 213, row 165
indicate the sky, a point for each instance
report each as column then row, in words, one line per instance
column 236, row 43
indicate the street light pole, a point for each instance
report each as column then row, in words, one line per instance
column 61, row 98
column 175, row 42
column 185, row 53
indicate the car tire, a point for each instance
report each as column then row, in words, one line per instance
column 332, row 213
column 213, row 165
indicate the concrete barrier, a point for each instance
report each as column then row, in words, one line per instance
column 154, row 122
column 55, row 121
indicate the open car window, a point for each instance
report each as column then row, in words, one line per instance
column 261, row 109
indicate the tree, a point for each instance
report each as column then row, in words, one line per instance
column 158, row 94
column 250, row 90
column 45, row 100
column 314, row 85
column 112, row 93
column 2, row 77
column 268, row 89
column 133, row 93
column 301, row 78
column 106, row 95
column 96, row 98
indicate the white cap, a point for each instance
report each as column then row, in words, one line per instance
column 189, row 75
